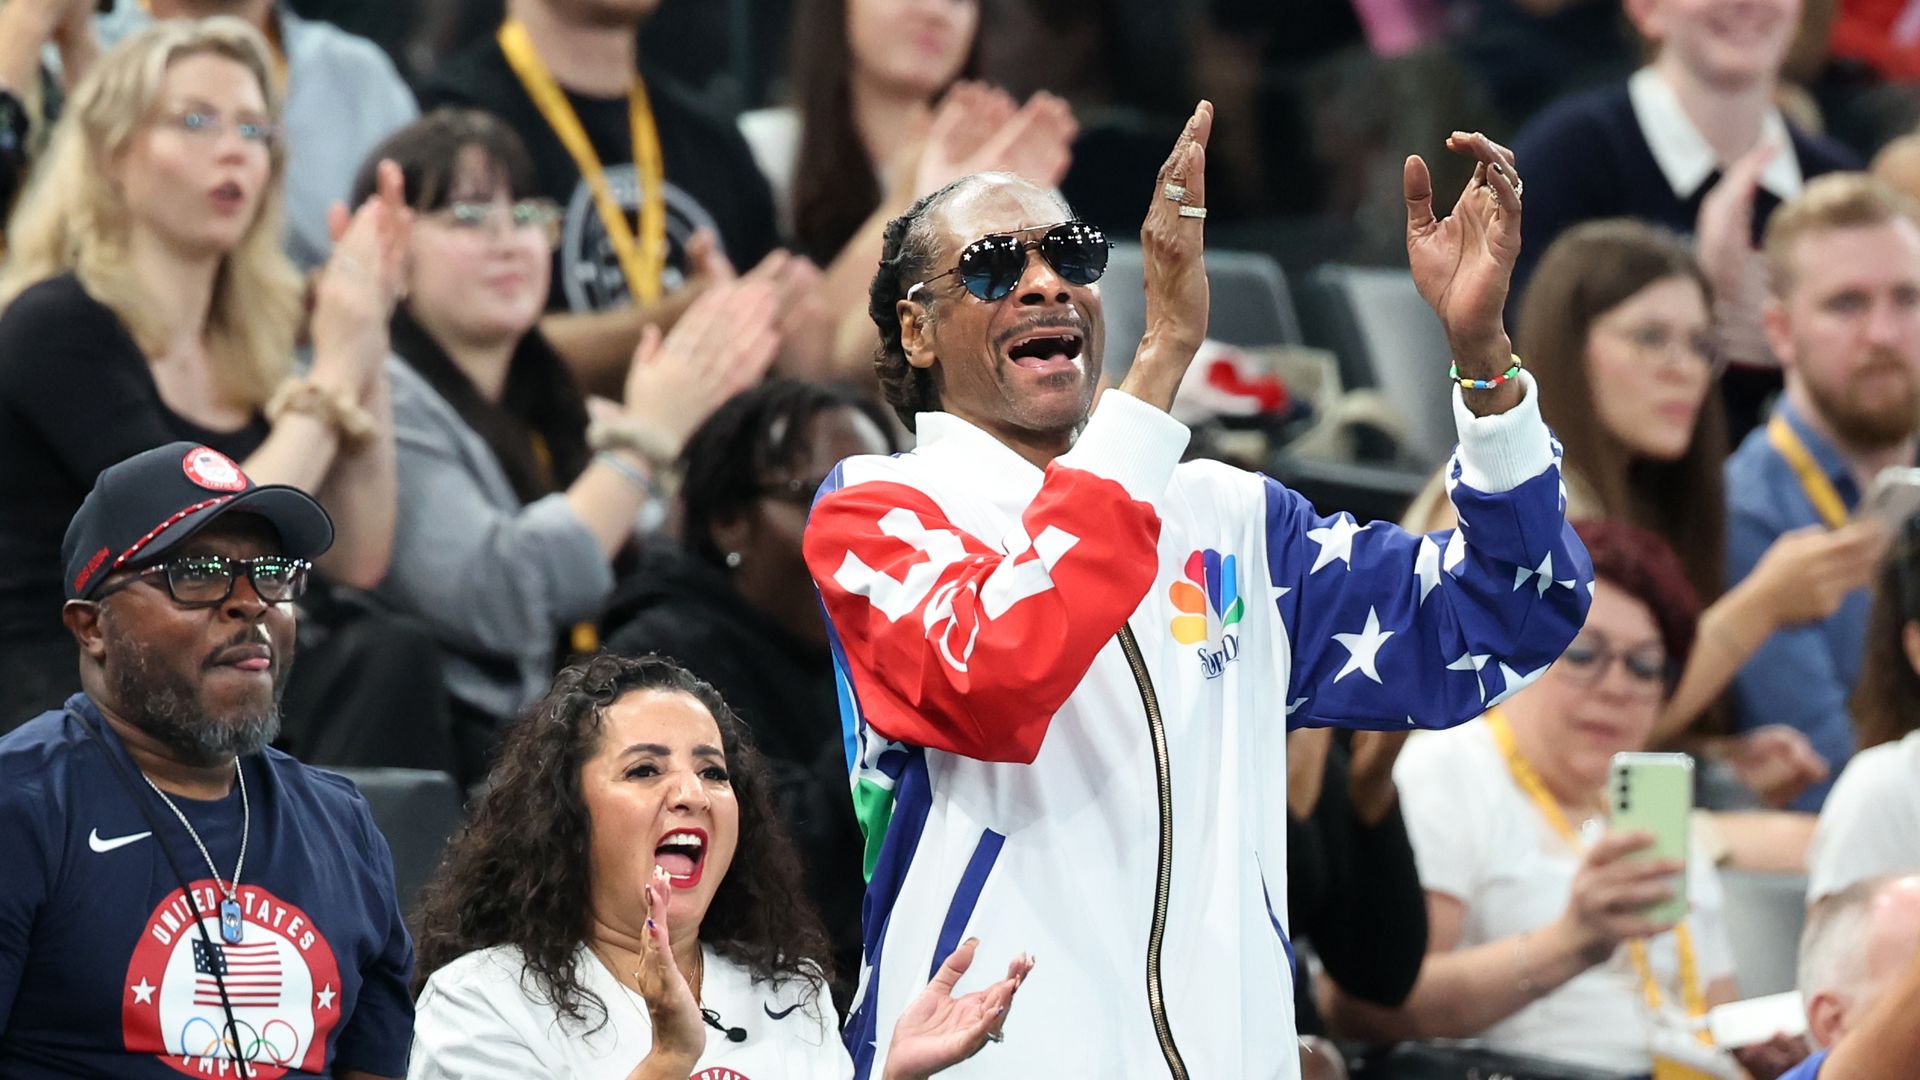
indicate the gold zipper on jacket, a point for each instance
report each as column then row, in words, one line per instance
column 1163, row 879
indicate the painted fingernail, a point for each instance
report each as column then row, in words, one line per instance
column 649, row 924
column 1002, row 1012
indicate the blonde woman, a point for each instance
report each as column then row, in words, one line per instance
column 147, row 301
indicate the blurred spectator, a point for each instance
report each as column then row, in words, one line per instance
column 145, row 267
column 29, row 96
column 727, row 603
column 1353, row 889
column 512, row 509
column 108, row 965
column 342, row 95
column 1845, row 320
column 1655, row 147
column 1860, row 981
column 1616, row 325
column 656, row 190
column 1897, row 165
column 1537, row 941
column 863, row 139
column 1870, row 824
column 1529, row 52
column 624, row 886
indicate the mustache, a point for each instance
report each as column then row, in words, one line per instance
column 1074, row 326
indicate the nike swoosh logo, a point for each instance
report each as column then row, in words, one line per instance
column 103, row 846
column 782, row 1014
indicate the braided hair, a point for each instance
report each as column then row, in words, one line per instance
column 906, row 257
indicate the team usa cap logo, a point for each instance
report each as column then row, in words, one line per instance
column 213, row 470
column 283, row 982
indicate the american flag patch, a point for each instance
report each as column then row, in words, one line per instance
column 252, row 974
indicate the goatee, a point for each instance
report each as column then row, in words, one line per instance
column 166, row 705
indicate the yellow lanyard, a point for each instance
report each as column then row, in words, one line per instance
column 1691, row 992
column 642, row 262
column 1813, row 480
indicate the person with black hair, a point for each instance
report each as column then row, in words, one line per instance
column 626, row 894
column 513, row 505
column 731, row 601
column 1069, row 661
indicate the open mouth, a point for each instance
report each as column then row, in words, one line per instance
column 1046, row 351
column 228, row 195
column 682, row 853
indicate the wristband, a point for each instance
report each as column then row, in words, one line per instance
column 1453, row 375
column 351, row 422
column 644, row 442
column 647, row 481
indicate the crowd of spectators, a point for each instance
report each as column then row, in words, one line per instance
column 560, row 309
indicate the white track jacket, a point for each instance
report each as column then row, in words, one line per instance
column 1067, row 695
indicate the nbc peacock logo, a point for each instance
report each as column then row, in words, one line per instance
column 1208, row 603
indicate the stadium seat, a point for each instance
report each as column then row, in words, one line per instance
column 417, row 810
column 1250, row 303
column 1386, row 338
column 1764, row 916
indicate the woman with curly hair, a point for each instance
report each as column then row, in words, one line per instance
column 624, row 887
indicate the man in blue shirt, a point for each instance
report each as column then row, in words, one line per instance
column 178, row 899
column 1860, row 979
column 1845, row 321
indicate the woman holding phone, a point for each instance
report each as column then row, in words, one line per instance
column 1538, row 938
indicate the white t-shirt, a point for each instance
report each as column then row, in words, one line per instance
column 774, row 136
column 477, row 1019
column 1478, row 837
column 1870, row 824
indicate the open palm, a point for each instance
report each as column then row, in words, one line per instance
column 1462, row 263
column 937, row 1029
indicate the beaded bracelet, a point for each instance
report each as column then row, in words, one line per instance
column 1453, row 375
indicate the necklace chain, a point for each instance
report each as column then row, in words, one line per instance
column 230, row 889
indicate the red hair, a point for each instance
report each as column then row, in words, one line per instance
column 1642, row 565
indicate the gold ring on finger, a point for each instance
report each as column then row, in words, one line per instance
column 1176, row 192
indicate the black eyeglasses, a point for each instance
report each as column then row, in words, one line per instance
column 207, row 580
column 991, row 266
column 1586, row 662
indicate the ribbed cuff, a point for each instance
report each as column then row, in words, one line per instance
column 1132, row 443
column 1500, row 452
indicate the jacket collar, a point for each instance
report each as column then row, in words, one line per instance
column 1683, row 154
column 999, row 474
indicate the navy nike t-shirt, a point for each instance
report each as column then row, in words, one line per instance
column 102, row 973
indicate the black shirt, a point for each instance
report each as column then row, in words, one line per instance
column 712, row 181
column 76, row 396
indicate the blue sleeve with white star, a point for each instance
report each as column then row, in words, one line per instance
column 1391, row 630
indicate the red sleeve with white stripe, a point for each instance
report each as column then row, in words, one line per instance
column 955, row 646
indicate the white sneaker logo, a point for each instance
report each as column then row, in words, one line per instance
column 103, row 846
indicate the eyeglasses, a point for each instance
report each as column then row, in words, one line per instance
column 496, row 218
column 1659, row 338
column 211, row 125
column 1586, row 661
column 207, row 580
column 991, row 266
column 793, row 492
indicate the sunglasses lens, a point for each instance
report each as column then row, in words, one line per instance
column 1077, row 251
column 990, row 267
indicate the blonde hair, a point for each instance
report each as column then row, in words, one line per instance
column 1842, row 200
column 74, row 219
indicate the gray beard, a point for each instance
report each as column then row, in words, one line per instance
column 166, row 706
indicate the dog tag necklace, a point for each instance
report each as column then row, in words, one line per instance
column 232, row 929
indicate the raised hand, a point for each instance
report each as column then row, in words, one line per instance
column 679, row 1032
column 721, row 346
column 938, row 1030
column 1173, row 254
column 362, row 280
column 1806, row 574
column 1777, row 763
column 1462, row 263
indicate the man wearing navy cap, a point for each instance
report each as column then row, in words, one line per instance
column 179, row 898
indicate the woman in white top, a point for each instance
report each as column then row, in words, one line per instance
column 1536, row 938
column 1870, row 824
column 862, row 140
column 625, row 905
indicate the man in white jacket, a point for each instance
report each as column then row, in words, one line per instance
column 1068, row 666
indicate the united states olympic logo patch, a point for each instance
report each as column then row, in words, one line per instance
column 282, row 979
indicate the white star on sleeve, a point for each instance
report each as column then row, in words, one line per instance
column 1543, row 575
column 1426, row 567
column 1456, row 552
column 1363, row 648
column 1336, row 542
column 1516, row 681
column 1295, row 704
column 1470, row 662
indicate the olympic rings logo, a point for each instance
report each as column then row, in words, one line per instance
column 214, row 1044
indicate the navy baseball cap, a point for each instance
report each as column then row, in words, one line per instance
column 154, row 500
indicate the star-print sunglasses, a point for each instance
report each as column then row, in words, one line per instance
column 991, row 266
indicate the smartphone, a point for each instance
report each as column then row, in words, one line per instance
column 1893, row 497
column 1653, row 793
